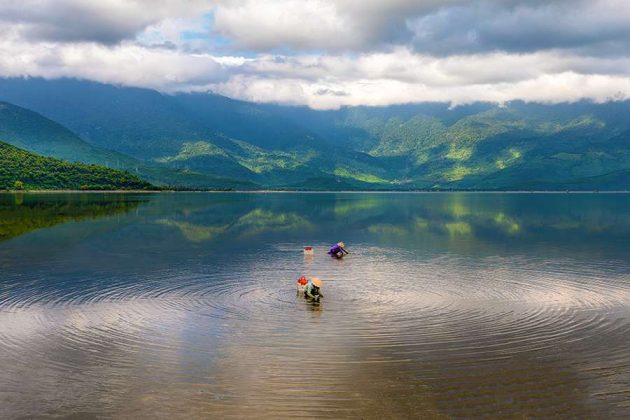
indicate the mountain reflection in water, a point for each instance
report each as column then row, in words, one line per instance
column 182, row 305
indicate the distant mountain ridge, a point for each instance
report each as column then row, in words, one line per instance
column 33, row 132
column 218, row 140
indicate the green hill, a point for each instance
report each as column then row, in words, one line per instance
column 35, row 133
column 202, row 138
column 31, row 131
column 209, row 141
column 20, row 169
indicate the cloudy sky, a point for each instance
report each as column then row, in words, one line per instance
column 329, row 53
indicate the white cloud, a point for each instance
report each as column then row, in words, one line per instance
column 105, row 21
column 563, row 87
column 126, row 64
column 327, row 53
column 431, row 26
column 317, row 24
column 284, row 23
column 402, row 76
column 524, row 26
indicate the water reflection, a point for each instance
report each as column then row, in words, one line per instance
column 450, row 305
column 253, row 223
column 21, row 213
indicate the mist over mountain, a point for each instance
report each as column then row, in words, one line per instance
column 210, row 141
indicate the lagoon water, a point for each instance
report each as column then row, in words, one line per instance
column 183, row 305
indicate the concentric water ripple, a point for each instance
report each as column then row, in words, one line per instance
column 400, row 333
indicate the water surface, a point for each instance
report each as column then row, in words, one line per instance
column 183, row 305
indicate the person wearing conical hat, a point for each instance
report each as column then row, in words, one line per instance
column 338, row 250
column 313, row 289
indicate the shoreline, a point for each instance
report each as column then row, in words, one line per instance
column 271, row 191
column 78, row 191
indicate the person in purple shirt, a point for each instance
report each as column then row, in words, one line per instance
column 338, row 250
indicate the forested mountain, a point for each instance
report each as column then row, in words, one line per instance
column 431, row 145
column 35, row 133
column 193, row 134
column 20, row 169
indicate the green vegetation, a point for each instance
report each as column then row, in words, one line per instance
column 192, row 150
column 359, row 176
column 20, row 169
column 35, row 133
column 518, row 146
column 206, row 141
column 262, row 161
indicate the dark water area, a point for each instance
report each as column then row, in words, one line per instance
column 183, row 305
